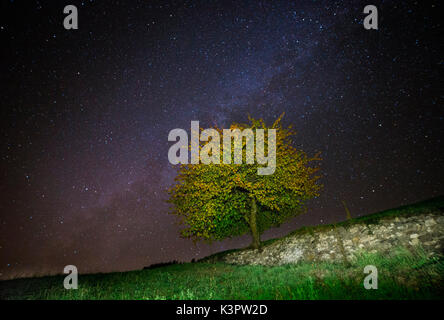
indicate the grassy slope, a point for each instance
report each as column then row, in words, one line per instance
column 430, row 205
column 403, row 275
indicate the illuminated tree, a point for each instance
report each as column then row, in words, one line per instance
column 217, row 200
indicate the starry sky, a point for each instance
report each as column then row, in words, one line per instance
column 85, row 115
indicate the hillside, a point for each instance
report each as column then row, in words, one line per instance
column 418, row 225
column 405, row 272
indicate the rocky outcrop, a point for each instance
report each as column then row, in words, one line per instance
column 344, row 241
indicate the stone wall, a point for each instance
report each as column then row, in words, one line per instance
column 341, row 243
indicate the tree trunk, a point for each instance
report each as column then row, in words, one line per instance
column 256, row 243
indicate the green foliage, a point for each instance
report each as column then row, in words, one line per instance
column 215, row 201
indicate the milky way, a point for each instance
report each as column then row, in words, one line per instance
column 86, row 115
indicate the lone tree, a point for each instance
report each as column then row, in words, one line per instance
column 218, row 201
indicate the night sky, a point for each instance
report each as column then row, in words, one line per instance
column 85, row 115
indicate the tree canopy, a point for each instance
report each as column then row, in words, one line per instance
column 218, row 201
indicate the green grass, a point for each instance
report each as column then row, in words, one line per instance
column 403, row 275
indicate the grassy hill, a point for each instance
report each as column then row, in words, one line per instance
column 402, row 275
column 422, row 207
